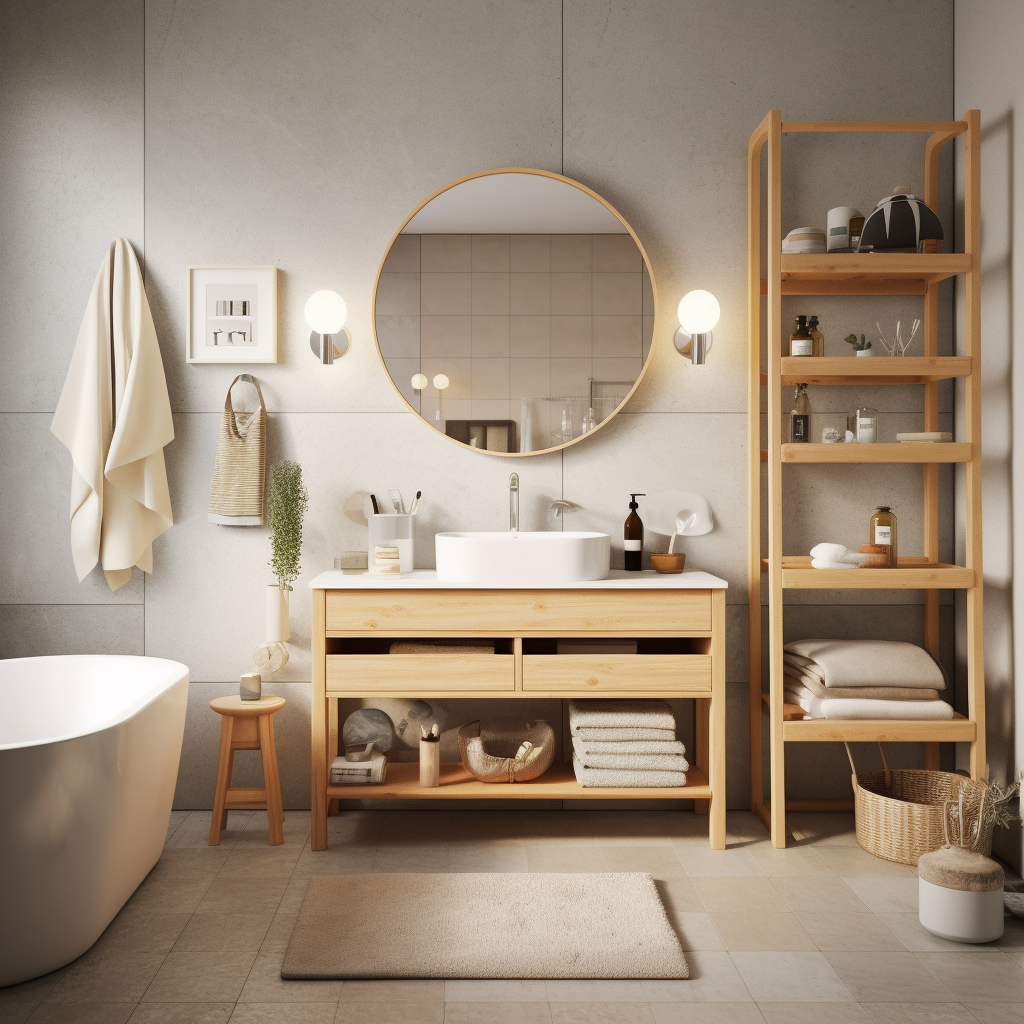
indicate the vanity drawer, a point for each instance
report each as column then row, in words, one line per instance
column 415, row 673
column 636, row 674
column 519, row 612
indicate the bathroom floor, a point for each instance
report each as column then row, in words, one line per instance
column 818, row 933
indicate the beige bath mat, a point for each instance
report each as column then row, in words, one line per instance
column 524, row 925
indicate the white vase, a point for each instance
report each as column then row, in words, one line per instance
column 865, row 352
column 278, row 627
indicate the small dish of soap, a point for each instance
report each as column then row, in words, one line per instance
column 668, row 563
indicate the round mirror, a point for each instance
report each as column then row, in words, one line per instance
column 514, row 311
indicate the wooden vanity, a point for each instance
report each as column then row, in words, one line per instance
column 678, row 623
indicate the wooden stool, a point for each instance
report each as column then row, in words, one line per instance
column 247, row 725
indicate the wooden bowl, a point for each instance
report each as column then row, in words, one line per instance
column 668, row 563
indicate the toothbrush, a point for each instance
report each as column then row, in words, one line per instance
column 373, row 500
column 396, row 500
column 415, row 503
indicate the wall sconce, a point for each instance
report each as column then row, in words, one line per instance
column 441, row 381
column 326, row 313
column 698, row 313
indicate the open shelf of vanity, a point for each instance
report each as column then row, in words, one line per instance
column 773, row 274
column 677, row 621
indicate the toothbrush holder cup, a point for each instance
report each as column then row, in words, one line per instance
column 393, row 530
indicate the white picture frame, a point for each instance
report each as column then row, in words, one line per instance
column 231, row 314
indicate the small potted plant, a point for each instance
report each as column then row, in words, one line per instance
column 861, row 346
column 287, row 507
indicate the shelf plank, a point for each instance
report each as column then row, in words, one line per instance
column 876, row 273
column 951, row 128
column 557, row 783
column 895, row 452
column 914, row 573
column 851, row 370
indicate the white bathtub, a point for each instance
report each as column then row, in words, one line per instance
column 89, row 750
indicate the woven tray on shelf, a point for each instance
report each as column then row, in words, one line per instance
column 899, row 811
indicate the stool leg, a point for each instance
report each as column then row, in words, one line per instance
column 219, row 819
column 271, row 781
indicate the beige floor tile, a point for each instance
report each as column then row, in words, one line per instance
column 1016, row 954
column 985, row 976
column 487, row 857
column 886, row 895
column 571, row 858
column 683, row 825
column 696, row 931
column 496, row 991
column 293, row 896
column 601, row 1013
column 265, row 985
column 182, row 896
column 227, row 894
column 82, row 1013
column 412, row 990
column 707, row 1013
column 200, row 977
column 997, row 1013
column 280, row 931
column 194, row 831
column 813, row 1013
column 390, row 1013
column 713, row 979
column 341, row 860
column 414, row 857
column 790, row 978
column 257, row 833
column 118, row 978
column 918, row 1013
column 888, row 978
column 745, row 825
column 703, row 862
column 497, row 1013
column 822, row 829
column 208, row 932
column 1013, row 934
column 757, row 930
column 852, row 861
column 847, row 932
column 718, row 894
column 181, row 1013
column 678, row 896
column 30, row 993
column 659, row 861
column 287, row 1013
column 16, row 1013
column 819, row 893
column 187, row 863
column 595, row 991
column 909, row 930
column 141, row 932
column 792, row 862
column 257, row 862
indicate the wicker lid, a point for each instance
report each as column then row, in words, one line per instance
column 966, row 870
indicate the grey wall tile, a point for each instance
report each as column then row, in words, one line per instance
column 33, row 630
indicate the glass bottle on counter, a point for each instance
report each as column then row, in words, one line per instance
column 817, row 338
column 800, row 417
column 883, row 531
column 800, row 341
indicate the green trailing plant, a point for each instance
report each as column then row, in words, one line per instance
column 287, row 506
column 859, row 344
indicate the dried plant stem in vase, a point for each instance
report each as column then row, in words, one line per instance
column 898, row 347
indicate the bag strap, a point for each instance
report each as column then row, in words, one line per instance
column 853, row 767
column 245, row 378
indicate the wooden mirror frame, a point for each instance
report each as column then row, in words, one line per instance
column 611, row 209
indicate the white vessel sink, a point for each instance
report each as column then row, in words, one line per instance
column 522, row 559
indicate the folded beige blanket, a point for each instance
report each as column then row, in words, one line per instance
column 856, row 707
column 813, row 683
column 858, row 663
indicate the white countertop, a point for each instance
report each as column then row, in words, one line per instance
column 426, row 579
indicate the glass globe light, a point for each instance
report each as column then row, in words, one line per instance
column 698, row 312
column 326, row 312
column 441, row 381
column 419, row 381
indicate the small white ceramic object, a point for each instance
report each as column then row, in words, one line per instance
column 517, row 558
column 250, row 686
column 960, row 916
column 278, row 626
column 684, row 512
column 865, row 353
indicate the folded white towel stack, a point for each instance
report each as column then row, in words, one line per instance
column 626, row 743
column 847, row 679
column 835, row 556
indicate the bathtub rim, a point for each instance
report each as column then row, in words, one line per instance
column 175, row 673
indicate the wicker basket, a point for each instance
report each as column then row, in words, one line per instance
column 899, row 812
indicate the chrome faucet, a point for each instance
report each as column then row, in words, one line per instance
column 513, row 502
column 560, row 506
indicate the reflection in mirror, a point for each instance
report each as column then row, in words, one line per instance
column 530, row 297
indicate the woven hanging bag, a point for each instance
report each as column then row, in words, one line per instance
column 236, row 493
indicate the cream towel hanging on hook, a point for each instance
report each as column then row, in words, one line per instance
column 114, row 417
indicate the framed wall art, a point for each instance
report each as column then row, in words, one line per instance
column 232, row 315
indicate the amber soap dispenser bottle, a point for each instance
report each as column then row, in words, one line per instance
column 633, row 536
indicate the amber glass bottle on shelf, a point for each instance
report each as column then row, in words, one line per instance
column 800, row 341
column 817, row 338
column 800, row 417
column 883, row 531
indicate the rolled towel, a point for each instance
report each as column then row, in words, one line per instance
column 837, row 553
column 612, row 777
column 629, row 762
column 626, row 734
column 858, row 663
column 621, row 714
column 791, row 676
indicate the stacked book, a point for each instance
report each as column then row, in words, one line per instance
column 864, row 679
